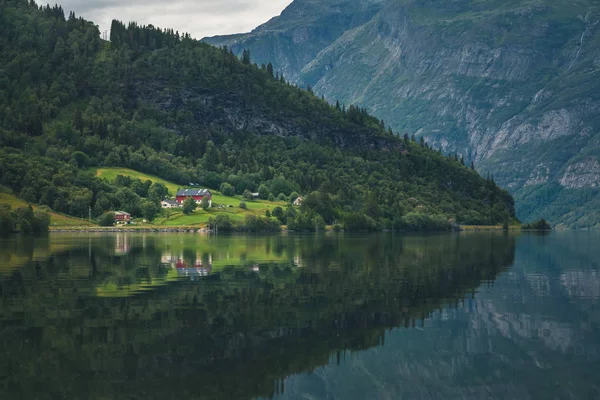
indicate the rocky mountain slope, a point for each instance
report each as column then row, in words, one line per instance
column 511, row 85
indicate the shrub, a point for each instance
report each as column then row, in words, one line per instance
column 359, row 222
column 222, row 223
column 227, row 189
column 107, row 219
column 243, row 205
column 294, row 196
column 261, row 224
column 539, row 225
column 282, row 197
column 7, row 222
column 263, row 192
column 189, row 205
column 149, row 210
column 416, row 221
column 279, row 214
column 40, row 222
column 247, row 194
column 306, row 222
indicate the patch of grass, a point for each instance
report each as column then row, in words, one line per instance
column 56, row 219
column 110, row 174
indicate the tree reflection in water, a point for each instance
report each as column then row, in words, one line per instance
column 163, row 316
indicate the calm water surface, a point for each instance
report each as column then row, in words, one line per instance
column 179, row 316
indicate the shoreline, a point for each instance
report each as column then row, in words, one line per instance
column 100, row 229
column 205, row 229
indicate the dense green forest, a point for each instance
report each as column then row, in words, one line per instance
column 159, row 102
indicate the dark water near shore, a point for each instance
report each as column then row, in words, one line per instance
column 183, row 316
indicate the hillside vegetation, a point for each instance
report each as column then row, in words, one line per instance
column 163, row 104
column 511, row 85
column 228, row 206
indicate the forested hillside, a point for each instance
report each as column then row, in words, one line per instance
column 512, row 85
column 159, row 102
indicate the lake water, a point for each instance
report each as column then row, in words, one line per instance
column 183, row 316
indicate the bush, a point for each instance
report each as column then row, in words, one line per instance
column 282, row 197
column 222, row 223
column 7, row 222
column 189, row 205
column 358, row 222
column 279, row 214
column 149, row 210
column 25, row 226
column 40, row 222
column 247, row 195
column 205, row 203
column 261, row 224
column 539, row 225
column 306, row 222
column 294, row 196
column 263, row 192
column 227, row 189
column 107, row 219
column 243, row 205
column 271, row 197
column 422, row 222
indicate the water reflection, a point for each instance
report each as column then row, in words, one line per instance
column 164, row 316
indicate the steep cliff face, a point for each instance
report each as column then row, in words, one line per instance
column 306, row 27
column 511, row 85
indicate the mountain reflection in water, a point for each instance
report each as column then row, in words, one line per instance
column 188, row 316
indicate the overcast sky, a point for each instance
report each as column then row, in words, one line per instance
column 200, row 18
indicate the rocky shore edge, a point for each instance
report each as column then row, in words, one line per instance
column 129, row 230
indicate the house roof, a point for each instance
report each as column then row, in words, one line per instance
column 192, row 192
column 172, row 202
column 122, row 213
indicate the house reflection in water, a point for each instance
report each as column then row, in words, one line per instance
column 192, row 270
column 122, row 246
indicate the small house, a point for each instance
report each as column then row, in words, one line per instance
column 298, row 201
column 122, row 217
column 169, row 204
column 196, row 194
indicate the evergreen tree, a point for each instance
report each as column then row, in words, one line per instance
column 246, row 57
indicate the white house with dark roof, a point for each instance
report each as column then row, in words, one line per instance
column 169, row 204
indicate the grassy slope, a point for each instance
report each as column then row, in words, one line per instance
column 177, row 218
column 55, row 218
column 111, row 173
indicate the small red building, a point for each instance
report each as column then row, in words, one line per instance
column 122, row 216
column 196, row 194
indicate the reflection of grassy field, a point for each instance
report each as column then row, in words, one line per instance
column 55, row 218
column 177, row 218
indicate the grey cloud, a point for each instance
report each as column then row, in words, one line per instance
column 200, row 17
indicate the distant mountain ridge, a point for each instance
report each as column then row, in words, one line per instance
column 511, row 85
